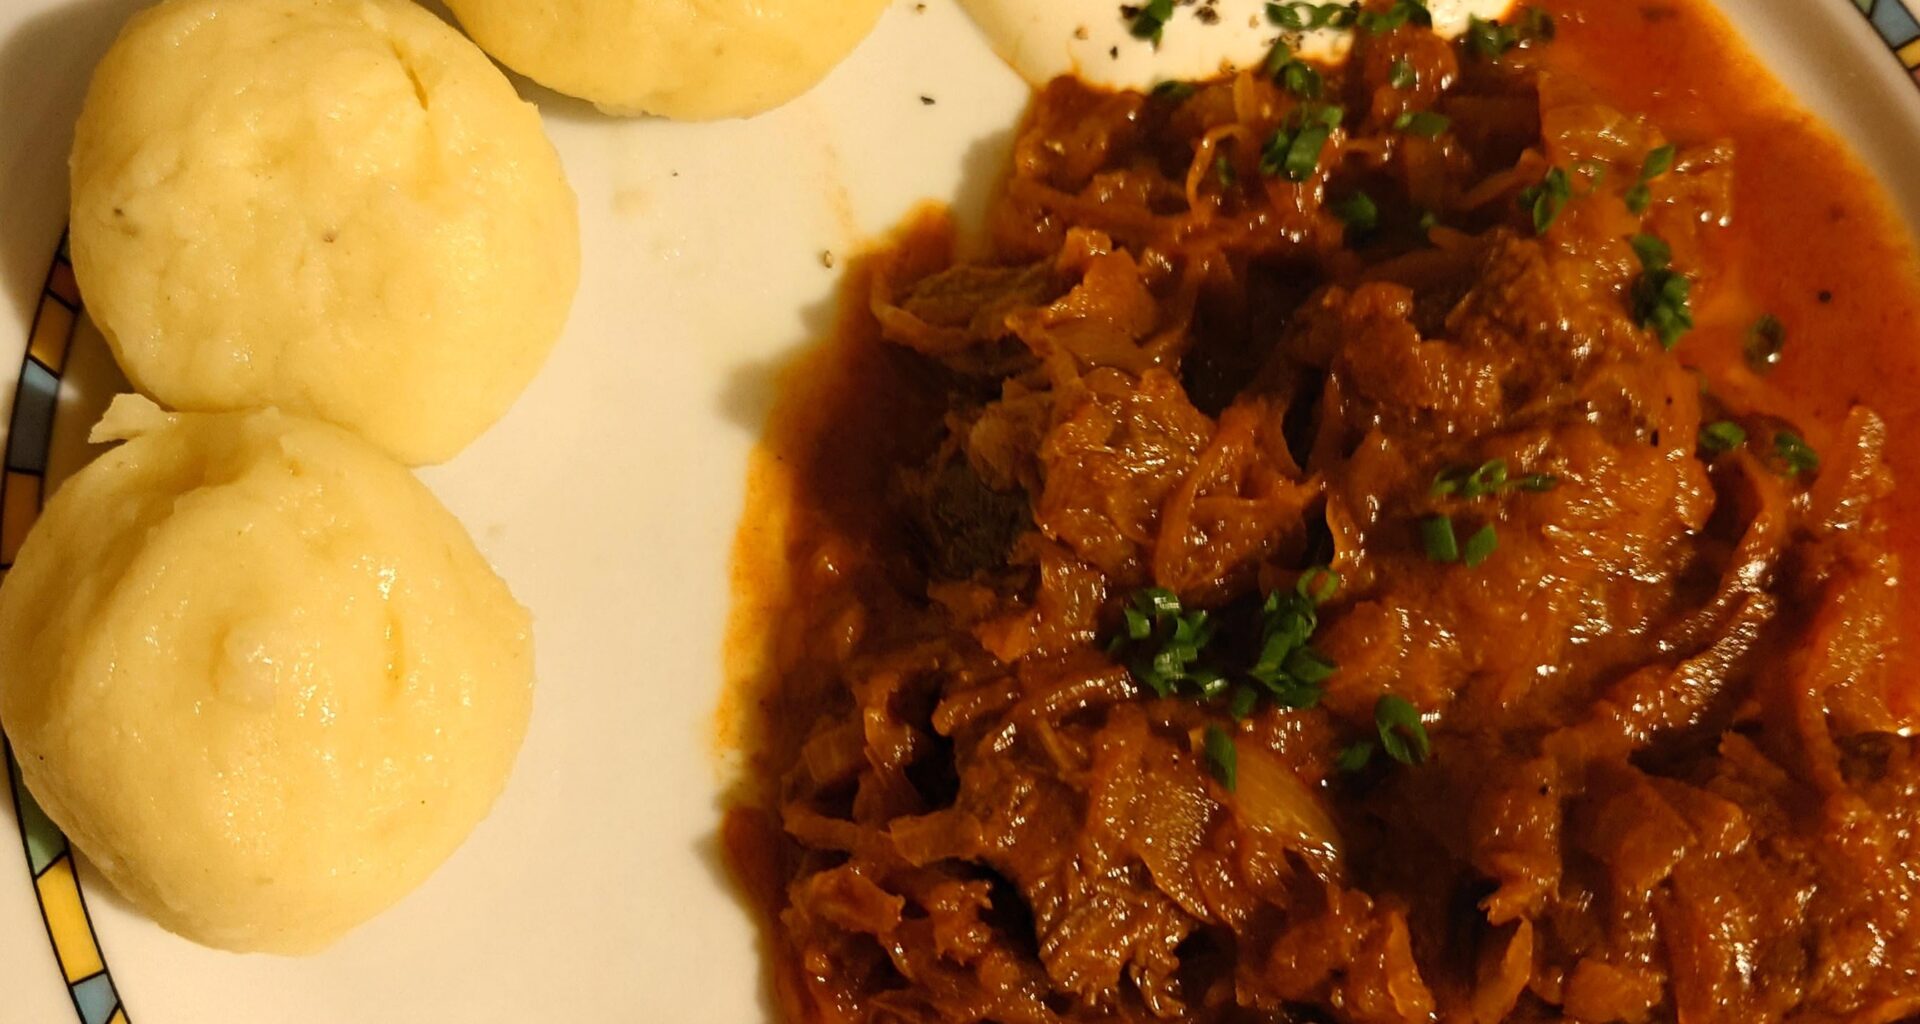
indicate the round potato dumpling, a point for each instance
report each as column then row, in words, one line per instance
column 258, row 674
column 335, row 207
column 692, row 60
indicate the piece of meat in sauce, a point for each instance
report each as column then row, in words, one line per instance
column 1665, row 783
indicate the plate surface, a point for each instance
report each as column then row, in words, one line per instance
column 608, row 499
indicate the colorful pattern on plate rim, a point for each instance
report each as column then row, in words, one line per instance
column 1895, row 21
column 63, row 907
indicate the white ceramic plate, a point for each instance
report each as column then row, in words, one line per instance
column 608, row 498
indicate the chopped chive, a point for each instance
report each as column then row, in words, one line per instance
column 1296, row 695
column 1150, row 21
column 1296, row 153
column 1402, row 735
column 1486, row 478
column 1359, row 212
column 1661, row 295
column 1173, row 90
column 1428, row 220
column 1722, row 436
column 1490, row 40
column 1309, row 667
column 1654, row 254
column 1794, row 454
column 1545, row 200
column 1479, row 547
column 1403, row 12
column 1223, row 171
column 1303, row 17
column 1319, row 584
column 1438, row 539
column 1539, row 482
column 1537, row 26
column 1277, row 59
column 1166, row 643
column 1401, row 75
column 1287, row 16
column 1222, row 759
column 1766, row 340
column 1166, row 648
column 1490, row 477
column 1424, row 123
column 1354, row 757
column 1300, row 79
column 1657, row 163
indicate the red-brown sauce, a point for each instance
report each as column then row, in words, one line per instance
column 1737, row 861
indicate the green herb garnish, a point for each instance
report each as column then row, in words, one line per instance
column 1302, row 154
column 1793, row 454
column 1277, row 59
column 1490, row 477
column 1223, row 171
column 1487, row 478
column 1354, row 757
column 1545, row 200
column 1653, row 252
column 1288, row 668
column 1766, row 340
column 1358, row 211
column 1167, row 648
column 1479, row 547
column 1300, row 79
column 1300, row 17
column 1657, row 163
column 1150, row 20
column 1222, row 760
column 1722, row 436
column 1319, row 584
column 1472, row 482
column 1289, row 16
column 1401, row 75
column 1403, row 12
column 1661, row 294
column 1402, row 735
column 1537, row 26
column 1490, row 40
column 1167, row 641
column 1424, row 123
column 1294, row 149
column 1173, row 91
column 1438, row 539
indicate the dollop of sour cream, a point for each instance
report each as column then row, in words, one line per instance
column 1094, row 40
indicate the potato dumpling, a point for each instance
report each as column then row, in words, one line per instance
column 336, row 207
column 692, row 60
column 258, row 674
